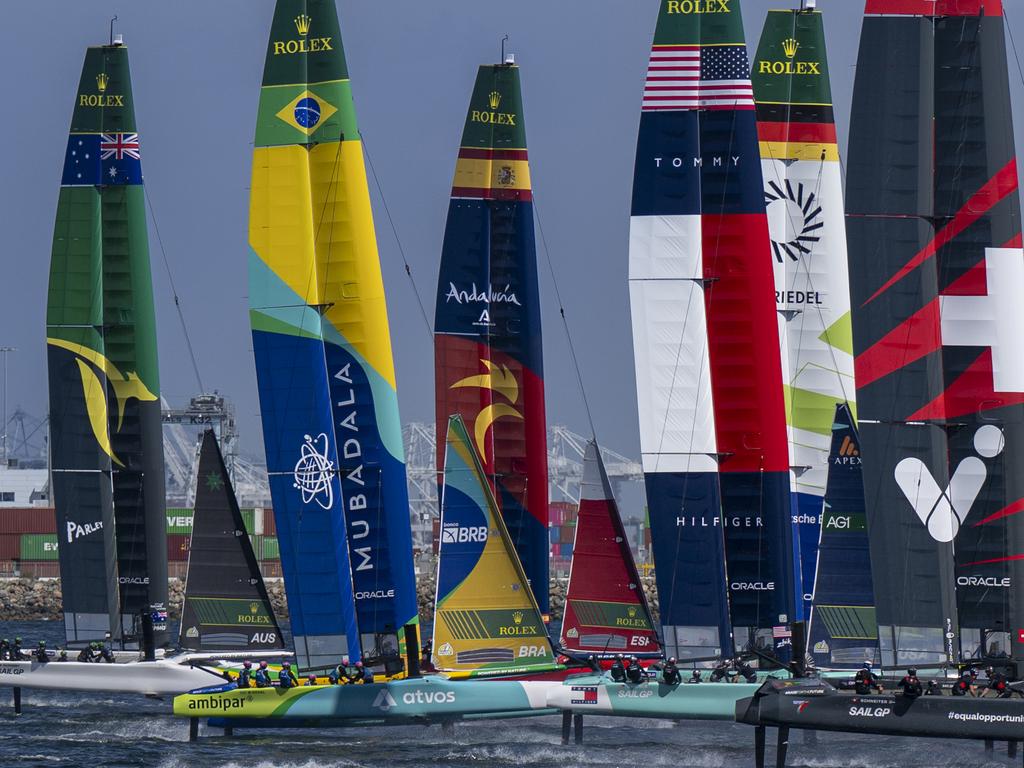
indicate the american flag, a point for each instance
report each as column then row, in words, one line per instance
column 780, row 633
column 119, row 146
column 698, row 77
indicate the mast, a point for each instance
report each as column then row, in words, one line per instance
column 705, row 338
column 107, row 448
column 489, row 362
column 606, row 611
column 804, row 196
column 933, row 216
column 226, row 605
column 323, row 355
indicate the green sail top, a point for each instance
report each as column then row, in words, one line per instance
column 103, row 103
column 306, row 98
column 791, row 66
column 495, row 118
column 699, row 22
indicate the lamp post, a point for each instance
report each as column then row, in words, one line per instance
column 4, row 351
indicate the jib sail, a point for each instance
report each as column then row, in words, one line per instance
column 487, row 347
column 226, row 604
column 106, row 443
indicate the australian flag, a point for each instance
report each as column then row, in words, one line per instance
column 102, row 159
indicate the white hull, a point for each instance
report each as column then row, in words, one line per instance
column 164, row 677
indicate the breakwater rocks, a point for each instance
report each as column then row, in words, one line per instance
column 34, row 600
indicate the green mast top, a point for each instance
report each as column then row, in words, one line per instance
column 699, row 22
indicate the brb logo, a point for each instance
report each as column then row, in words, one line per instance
column 943, row 511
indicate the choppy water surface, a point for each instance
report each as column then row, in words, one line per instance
column 66, row 729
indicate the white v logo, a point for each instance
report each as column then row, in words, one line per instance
column 941, row 511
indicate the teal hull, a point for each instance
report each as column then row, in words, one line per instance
column 593, row 695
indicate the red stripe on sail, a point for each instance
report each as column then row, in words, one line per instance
column 472, row 153
column 915, row 337
column 1009, row 559
column 1015, row 242
column 935, row 7
column 1007, row 511
column 972, row 392
column 809, row 133
column 743, row 343
column 981, row 202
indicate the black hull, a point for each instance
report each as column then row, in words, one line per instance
column 813, row 705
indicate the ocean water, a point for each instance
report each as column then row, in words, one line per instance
column 106, row 731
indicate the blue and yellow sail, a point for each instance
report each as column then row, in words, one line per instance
column 323, row 354
column 486, row 618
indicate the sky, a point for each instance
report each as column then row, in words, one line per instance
column 196, row 71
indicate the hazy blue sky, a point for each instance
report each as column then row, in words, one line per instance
column 196, row 70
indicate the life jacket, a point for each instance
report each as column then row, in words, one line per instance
column 961, row 687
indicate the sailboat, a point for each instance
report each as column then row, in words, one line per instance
column 706, row 345
column 933, row 216
column 803, row 191
column 226, row 606
column 487, row 343
column 323, row 359
column 606, row 611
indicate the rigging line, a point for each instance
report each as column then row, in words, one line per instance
column 1013, row 44
column 398, row 240
column 174, row 290
column 565, row 320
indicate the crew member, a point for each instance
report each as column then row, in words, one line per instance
column 17, row 654
column 996, row 682
column 426, row 654
column 964, row 685
column 335, row 675
column 694, row 676
column 41, row 655
column 62, row 655
column 310, row 681
column 866, row 680
column 245, row 676
column 910, row 684
column 618, row 670
column 5, row 649
column 263, row 676
column 719, row 672
column 746, row 671
column 286, row 678
column 634, row 672
column 86, row 654
column 932, row 689
column 670, row 672
column 361, row 673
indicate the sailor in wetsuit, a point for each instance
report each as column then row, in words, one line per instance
column 694, row 677
column 41, row 654
column 286, row 678
column 910, row 684
column 670, row 673
column 719, row 672
column 618, row 670
column 86, row 654
column 746, row 671
column 17, row 654
column 245, row 676
column 965, row 685
column 62, row 655
column 634, row 672
column 262, row 676
column 310, row 681
column 866, row 680
column 996, row 682
column 362, row 674
column 932, row 689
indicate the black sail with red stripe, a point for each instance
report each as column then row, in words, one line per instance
column 937, row 278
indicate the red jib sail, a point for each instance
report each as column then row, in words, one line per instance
column 605, row 607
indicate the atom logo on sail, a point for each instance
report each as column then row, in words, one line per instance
column 944, row 511
column 497, row 379
column 314, row 472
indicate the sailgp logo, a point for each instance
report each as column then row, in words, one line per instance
column 944, row 511
column 314, row 472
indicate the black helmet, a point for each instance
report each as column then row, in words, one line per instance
column 867, row 665
column 912, row 671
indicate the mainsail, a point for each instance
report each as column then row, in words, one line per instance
column 605, row 607
column 226, row 603
column 937, row 272
column 705, row 337
column 106, row 444
column 842, row 629
column 486, row 618
column 323, row 354
column 489, row 358
column 804, row 195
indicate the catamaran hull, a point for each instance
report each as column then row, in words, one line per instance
column 394, row 703
column 820, row 707
column 154, row 678
column 704, row 701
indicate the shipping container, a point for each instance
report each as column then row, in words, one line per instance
column 271, row 569
column 177, row 547
column 39, row 570
column 179, row 521
column 249, row 520
column 554, row 534
column 269, row 524
column 271, row 548
column 10, row 546
column 27, row 520
column 38, row 546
